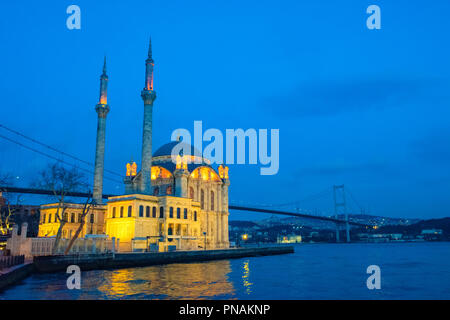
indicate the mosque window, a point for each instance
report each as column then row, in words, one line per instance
column 195, row 215
column 121, row 212
column 154, row 212
column 79, row 217
column 92, row 218
column 178, row 213
column 156, row 191
column 185, row 213
column 171, row 212
column 212, row 200
column 129, row 211
column 114, row 212
column 161, row 212
column 72, row 217
column 202, row 199
column 169, row 190
column 191, row 193
column 43, row 218
column 141, row 211
column 147, row 211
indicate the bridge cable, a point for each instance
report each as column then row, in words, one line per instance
column 54, row 158
column 56, row 150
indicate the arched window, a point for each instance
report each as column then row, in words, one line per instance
column 156, row 191
column 121, row 212
column 169, row 233
column 114, row 212
column 129, row 211
column 147, row 211
column 43, row 218
column 202, row 199
column 195, row 215
column 79, row 217
column 185, row 213
column 212, row 200
column 169, row 190
column 191, row 193
column 154, row 212
column 92, row 218
column 141, row 211
column 178, row 213
column 161, row 212
column 72, row 217
column 171, row 212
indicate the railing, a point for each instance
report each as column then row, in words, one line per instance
column 44, row 246
column 9, row 261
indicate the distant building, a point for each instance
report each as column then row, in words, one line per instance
column 293, row 238
column 396, row 236
column 432, row 234
column 432, row 231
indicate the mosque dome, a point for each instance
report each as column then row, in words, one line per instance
column 166, row 149
column 162, row 156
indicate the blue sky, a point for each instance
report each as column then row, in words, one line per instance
column 364, row 108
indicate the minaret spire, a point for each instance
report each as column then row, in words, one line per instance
column 149, row 64
column 102, row 109
column 150, row 49
column 103, row 85
column 104, row 66
column 148, row 95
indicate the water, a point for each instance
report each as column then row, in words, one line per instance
column 314, row 271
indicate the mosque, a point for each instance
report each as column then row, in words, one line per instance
column 171, row 203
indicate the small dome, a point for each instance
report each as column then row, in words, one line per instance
column 166, row 150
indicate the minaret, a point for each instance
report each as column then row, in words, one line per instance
column 148, row 95
column 102, row 109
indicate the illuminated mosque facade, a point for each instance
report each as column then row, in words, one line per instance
column 172, row 202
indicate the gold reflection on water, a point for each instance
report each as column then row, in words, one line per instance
column 245, row 277
column 174, row 281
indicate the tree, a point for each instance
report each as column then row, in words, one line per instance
column 86, row 208
column 61, row 181
column 7, row 210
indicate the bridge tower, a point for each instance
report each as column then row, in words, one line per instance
column 340, row 207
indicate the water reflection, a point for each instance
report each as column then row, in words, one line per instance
column 245, row 277
column 175, row 281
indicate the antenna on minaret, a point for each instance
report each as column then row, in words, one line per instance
column 104, row 66
column 150, row 49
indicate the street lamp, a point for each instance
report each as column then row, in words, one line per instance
column 204, row 233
